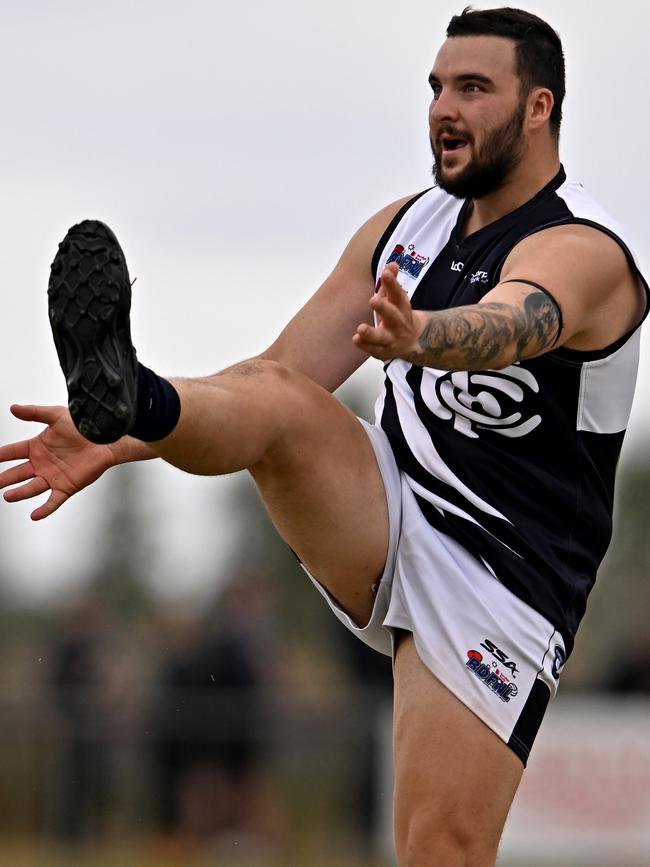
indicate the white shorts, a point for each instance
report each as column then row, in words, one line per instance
column 500, row 657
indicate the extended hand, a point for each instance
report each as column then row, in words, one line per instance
column 398, row 326
column 58, row 460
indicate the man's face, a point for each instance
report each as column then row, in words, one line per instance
column 476, row 118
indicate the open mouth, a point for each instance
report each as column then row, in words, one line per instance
column 453, row 144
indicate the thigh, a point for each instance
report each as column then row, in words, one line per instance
column 454, row 778
column 324, row 491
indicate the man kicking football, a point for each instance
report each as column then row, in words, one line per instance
column 462, row 531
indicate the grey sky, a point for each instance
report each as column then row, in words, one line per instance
column 234, row 148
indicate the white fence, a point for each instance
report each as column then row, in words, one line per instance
column 585, row 796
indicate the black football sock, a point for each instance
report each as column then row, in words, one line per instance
column 158, row 407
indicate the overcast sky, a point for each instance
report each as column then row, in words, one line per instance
column 234, row 148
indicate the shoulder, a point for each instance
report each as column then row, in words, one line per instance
column 582, row 205
column 571, row 247
column 426, row 204
column 591, row 276
column 363, row 244
column 383, row 218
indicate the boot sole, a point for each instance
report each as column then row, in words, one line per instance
column 89, row 295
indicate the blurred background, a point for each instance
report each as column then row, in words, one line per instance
column 174, row 691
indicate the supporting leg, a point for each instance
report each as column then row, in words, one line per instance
column 454, row 778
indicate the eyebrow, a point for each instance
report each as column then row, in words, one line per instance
column 465, row 76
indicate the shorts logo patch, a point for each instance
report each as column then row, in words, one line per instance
column 490, row 675
column 558, row 662
column 502, row 657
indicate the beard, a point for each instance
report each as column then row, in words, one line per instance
column 489, row 169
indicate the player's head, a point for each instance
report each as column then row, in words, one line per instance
column 497, row 80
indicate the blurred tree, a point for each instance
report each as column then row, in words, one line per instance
column 260, row 550
column 124, row 544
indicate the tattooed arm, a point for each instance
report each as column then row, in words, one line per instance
column 596, row 299
column 488, row 335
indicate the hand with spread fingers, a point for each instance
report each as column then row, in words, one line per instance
column 398, row 326
column 58, row 460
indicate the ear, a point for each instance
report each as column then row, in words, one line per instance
column 540, row 104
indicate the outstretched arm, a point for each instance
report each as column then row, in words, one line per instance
column 316, row 342
column 59, row 459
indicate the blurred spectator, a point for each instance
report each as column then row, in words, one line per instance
column 372, row 677
column 209, row 725
column 631, row 672
column 80, row 682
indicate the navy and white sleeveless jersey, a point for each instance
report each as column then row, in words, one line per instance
column 516, row 464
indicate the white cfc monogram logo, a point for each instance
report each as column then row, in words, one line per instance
column 485, row 400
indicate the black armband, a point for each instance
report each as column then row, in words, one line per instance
column 549, row 296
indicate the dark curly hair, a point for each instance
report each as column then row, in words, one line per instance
column 538, row 48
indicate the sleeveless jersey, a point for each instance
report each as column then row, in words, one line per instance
column 516, row 464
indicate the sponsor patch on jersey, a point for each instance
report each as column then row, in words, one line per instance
column 492, row 677
column 409, row 261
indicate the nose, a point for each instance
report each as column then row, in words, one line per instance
column 443, row 107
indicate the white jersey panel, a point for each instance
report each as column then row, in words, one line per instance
column 427, row 225
column 607, row 389
column 584, row 207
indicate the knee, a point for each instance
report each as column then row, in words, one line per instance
column 432, row 838
column 258, row 370
column 269, row 383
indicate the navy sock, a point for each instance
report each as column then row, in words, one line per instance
column 158, row 408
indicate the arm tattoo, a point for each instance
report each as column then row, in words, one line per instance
column 478, row 336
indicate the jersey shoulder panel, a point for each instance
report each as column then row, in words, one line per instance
column 416, row 239
column 583, row 206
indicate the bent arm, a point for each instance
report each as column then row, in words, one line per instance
column 492, row 334
column 586, row 297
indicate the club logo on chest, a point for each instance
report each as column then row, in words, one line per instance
column 486, row 400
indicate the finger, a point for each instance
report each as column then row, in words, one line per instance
column 391, row 285
column 376, row 350
column 388, row 312
column 15, row 451
column 16, row 475
column 56, row 499
column 25, row 492
column 368, row 336
column 31, row 412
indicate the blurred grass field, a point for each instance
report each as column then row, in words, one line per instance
column 146, row 856
column 155, row 856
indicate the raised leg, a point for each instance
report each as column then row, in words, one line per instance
column 311, row 459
